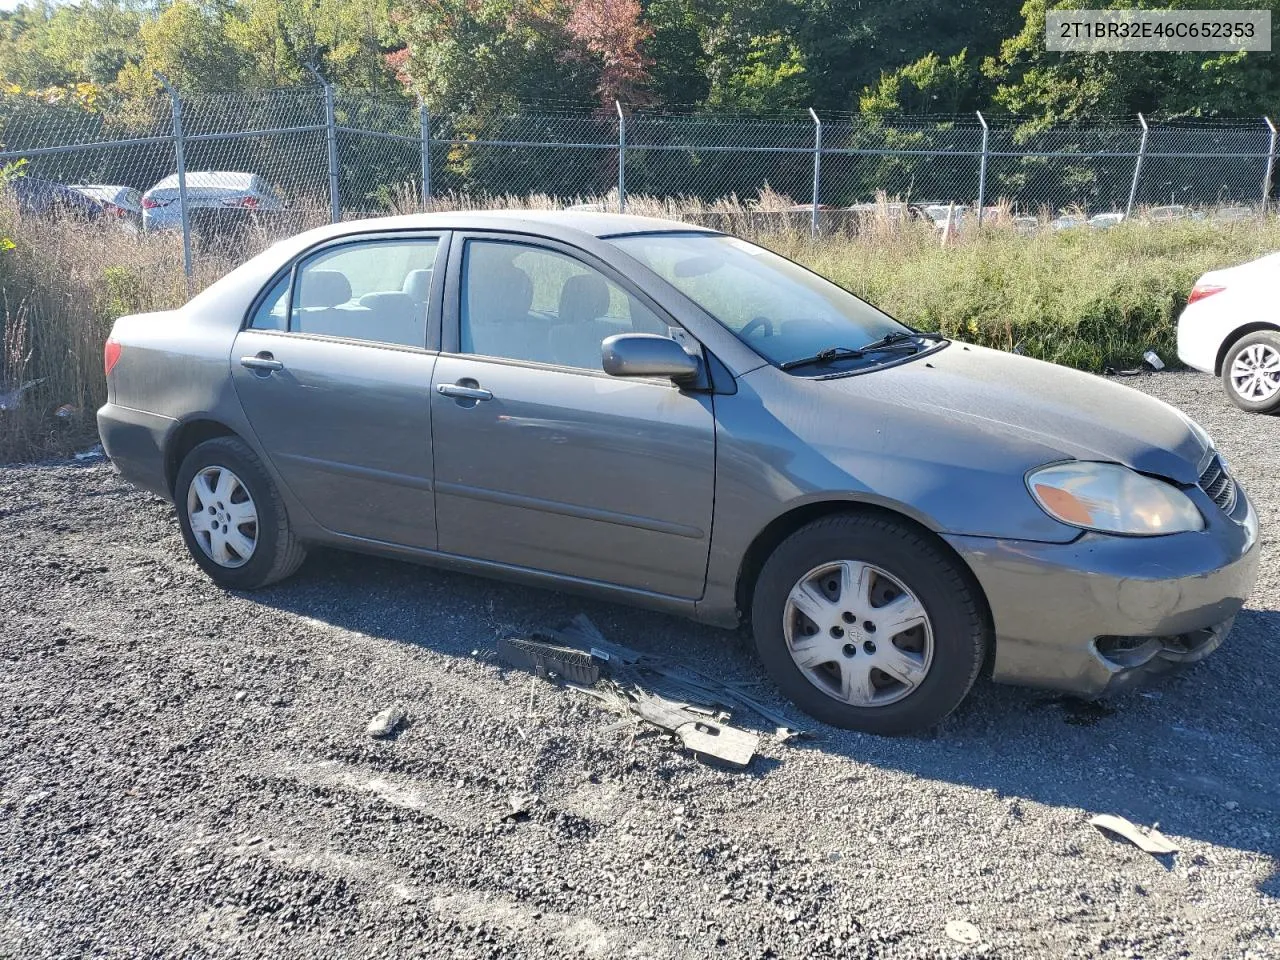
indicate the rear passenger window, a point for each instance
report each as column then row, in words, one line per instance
column 376, row 290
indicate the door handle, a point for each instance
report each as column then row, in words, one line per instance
column 463, row 392
column 264, row 363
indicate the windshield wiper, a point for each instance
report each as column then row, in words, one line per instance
column 890, row 341
column 823, row 356
column 897, row 338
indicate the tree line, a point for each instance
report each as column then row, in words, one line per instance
column 476, row 63
column 872, row 58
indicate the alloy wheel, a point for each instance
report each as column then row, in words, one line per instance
column 1255, row 372
column 223, row 517
column 858, row 634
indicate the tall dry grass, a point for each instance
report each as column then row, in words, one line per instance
column 1086, row 298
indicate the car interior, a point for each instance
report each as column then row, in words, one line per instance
column 499, row 317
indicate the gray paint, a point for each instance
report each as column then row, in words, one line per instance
column 644, row 492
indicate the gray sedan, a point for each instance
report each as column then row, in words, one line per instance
column 671, row 417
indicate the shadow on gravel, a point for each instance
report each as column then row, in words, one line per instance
column 1198, row 753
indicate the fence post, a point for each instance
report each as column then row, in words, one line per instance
column 622, row 158
column 817, row 171
column 982, row 167
column 1271, row 166
column 424, row 126
column 1137, row 168
column 331, row 129
column 180, row 161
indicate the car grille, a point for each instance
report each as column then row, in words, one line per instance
column 1217, row 483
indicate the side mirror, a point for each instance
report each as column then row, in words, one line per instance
column 647, row 355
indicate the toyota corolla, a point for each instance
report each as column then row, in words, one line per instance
column 671, row 417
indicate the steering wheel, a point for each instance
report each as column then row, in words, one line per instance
column 757, row 323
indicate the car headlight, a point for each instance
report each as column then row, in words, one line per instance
column 1112, row 499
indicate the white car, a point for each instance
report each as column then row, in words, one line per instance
column 1231, row 328
column 1105, row 221
column 123, row 203
column 224, row 191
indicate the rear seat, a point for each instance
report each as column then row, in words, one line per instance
column 393, row 318
column 324, row 304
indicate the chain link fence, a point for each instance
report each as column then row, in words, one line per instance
column 295, row 158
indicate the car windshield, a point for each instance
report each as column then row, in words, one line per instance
column 783, row 311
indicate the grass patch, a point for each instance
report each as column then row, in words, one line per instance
column 1084, row 298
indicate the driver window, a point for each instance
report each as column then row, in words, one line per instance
column 523, row 302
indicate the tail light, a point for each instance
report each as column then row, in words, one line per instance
column 249, row 203
column 113, row 210
column 110, row 355
column 150, row 203
column 1202, row 290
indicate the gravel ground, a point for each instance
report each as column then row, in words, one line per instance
column 186, row 772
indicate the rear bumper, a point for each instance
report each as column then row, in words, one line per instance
column 1198, row 341
column 1100, row 613
column 135, row 442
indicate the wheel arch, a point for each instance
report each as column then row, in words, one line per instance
column 185, row 437
column 1235, row 336
column 787, row 523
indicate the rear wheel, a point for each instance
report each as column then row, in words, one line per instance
column 1251, row 372
column 232, row 517
column 867, row 624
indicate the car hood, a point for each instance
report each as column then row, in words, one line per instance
column 1041, row 410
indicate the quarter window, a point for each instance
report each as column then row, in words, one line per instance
column 529, row 303
column 272, row 312
column 376, row 290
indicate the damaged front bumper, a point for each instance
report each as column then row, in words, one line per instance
column 1100, row 613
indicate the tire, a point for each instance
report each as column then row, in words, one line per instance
column 212, row 511
column 911, row 580
column 1255, row 352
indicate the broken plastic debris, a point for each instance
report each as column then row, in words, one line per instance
column 1153, row 360
column 705, row 738
column 386, row 722
column 549, row 660
column 65, row 411
column 962, row 931
column 1152, row 841
column 689, row 706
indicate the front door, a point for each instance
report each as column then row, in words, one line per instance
column 542, row 459
column 334, row 374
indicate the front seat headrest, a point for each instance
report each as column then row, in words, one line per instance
column 584, row 298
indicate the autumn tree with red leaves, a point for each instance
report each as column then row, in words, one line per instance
column 611, row 33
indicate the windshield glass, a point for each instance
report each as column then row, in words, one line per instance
column 783, row 311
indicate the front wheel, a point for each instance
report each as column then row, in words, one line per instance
column 1251, row 372
column 232, row 517
column 866, row 624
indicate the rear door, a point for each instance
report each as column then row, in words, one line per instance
column 545, row 461
column 334, row 371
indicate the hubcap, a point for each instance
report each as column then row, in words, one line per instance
column 858, row 634
column 1255, row 372
column 223, row 517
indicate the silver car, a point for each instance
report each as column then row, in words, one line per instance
column 671, row 417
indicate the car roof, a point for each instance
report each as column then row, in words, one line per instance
column 536, row 221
